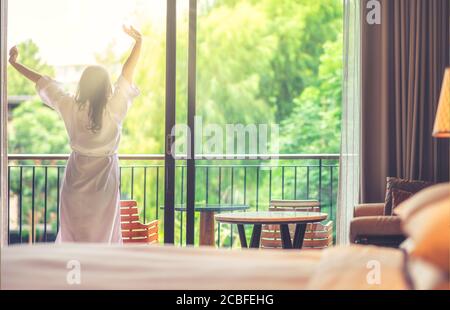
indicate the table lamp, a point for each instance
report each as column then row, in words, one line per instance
column 442, row 122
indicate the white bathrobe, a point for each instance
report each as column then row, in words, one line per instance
column 89, row 204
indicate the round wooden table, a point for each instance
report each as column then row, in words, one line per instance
column 207, row 212
column 282, row 218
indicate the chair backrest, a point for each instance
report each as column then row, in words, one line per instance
column 317, row 235
column 295, row 205
column 134, row 231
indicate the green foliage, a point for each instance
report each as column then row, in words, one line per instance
column 314, row 125
column 234, row 53
column 36, row 129
column 302, row 28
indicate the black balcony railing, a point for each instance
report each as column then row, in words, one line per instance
column 34, row 185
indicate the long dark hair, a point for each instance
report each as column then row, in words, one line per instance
column 94, row 87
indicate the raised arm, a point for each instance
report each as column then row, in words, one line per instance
column 130, row 64
column 26, row 72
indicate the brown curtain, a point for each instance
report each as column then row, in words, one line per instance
column 403, row 63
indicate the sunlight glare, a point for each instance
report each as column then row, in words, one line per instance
column 73, row 31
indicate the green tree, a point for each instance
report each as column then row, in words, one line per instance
column 36, row 129
column 302, row 27
column 234, row 53
column 314, row 125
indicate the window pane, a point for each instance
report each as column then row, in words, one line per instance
column 60, row 38
column 272, row 61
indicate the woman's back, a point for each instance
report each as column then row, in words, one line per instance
column 83, row 139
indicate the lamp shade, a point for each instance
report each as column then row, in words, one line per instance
column 442, row 122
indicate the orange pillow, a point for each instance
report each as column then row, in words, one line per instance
column 426, row 219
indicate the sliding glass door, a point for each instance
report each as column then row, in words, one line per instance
column 61, row 42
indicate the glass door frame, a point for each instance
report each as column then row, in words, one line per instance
column 4, row 220
column 170, row 117
column 170, row 113
column 191, row 109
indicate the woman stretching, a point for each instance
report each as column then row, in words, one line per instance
column 89, row 204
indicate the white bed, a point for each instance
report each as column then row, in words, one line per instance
column 167, row 267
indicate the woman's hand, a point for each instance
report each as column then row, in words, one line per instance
column 130, row 64
column 132, row 32
column 13, row 53
column 25, row 71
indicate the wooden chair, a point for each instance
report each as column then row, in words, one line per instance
column 317, row 235
column 134, row 231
